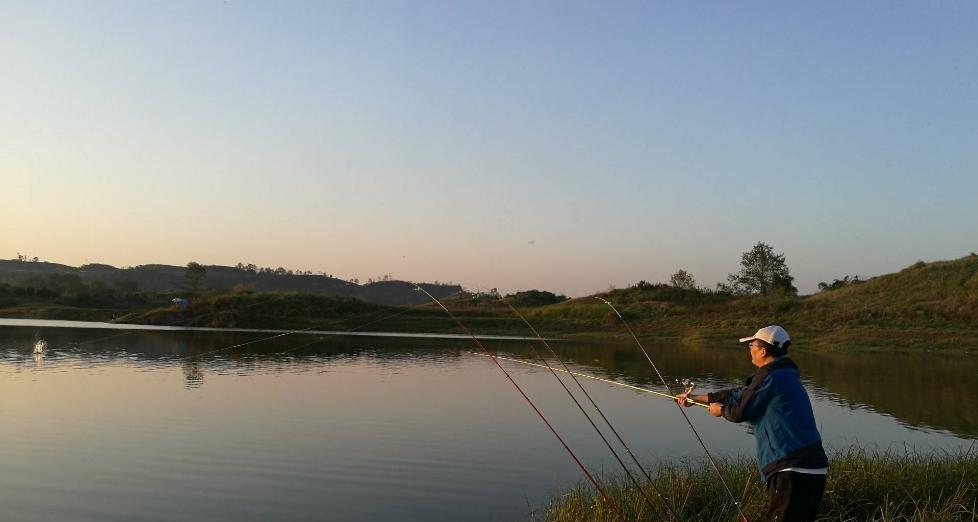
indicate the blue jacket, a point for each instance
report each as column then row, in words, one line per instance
column 776, row 405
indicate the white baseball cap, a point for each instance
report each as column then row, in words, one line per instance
column 773, row 335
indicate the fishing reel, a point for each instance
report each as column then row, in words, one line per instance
column 687, row 385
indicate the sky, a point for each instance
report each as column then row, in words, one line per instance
column 566, row 146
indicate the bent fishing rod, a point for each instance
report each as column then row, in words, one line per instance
column 599, row 379
column 567, row 370
column 611, row 504
column 740, row 509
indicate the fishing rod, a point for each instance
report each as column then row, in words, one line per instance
column 740, row 509
column 611, row 504
column 607, row 422
column 600, row 379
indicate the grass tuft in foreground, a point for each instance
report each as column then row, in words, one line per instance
column 862, row 486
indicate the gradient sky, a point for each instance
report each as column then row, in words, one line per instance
column 557, row 145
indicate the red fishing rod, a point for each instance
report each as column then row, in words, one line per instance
column 740, row 509
column 491, row 355
column 607, row 422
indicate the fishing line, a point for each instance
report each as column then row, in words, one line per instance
column 607, row 499
column 709, row 456
column 628, row 450
column 600, row 379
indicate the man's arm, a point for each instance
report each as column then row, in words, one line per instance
column 716, row 408
column 724, row 395
column 745, row 405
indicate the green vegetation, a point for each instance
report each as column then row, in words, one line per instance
column 927, row 306
column 265, row 310
column 924, row 307
column 530, row 298
column 69, row 297
column 930, row 306
column 839, row 283
column 195, row 273
column 682, row 279
column 290, row 310
column 215, row 279
column 762, row 272
column 862, row 486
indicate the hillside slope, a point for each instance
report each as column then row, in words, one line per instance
column 924, row 306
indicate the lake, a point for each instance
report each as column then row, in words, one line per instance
column 187, row 425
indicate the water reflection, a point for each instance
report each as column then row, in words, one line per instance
column 922, row 391
column 110, row 426
column 193, row 373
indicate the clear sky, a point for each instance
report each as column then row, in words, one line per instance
column 556, row 145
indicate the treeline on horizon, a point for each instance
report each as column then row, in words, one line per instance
column 28, row 279
column 763, row 272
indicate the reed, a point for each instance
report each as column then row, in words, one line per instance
column 863, row 485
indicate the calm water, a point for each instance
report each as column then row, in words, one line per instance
column 145, row 425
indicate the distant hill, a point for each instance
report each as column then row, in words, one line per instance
column 171, row 279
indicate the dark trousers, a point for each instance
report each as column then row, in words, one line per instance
column 793, row 497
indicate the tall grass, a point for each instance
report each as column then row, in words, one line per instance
column 863, row 485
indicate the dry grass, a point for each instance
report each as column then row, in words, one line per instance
column 862, row 486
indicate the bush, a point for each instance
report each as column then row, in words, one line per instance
column 530, row 298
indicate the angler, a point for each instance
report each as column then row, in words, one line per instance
column 789, row 448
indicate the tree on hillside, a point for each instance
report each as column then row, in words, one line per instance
column 762, row 272
column 194, row 274
column 683, row 279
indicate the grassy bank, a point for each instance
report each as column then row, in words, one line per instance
column 862, row 486
column 924, row 307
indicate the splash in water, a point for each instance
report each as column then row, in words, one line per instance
column 39, row 344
